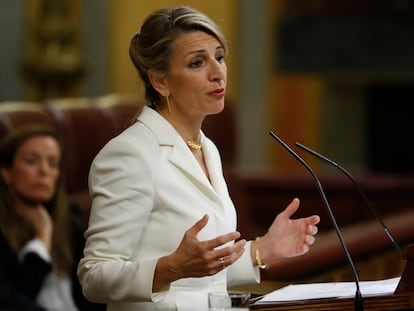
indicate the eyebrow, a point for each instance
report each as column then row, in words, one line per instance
column 203, row 50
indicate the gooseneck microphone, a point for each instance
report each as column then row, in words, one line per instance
column 359, row 303
column 359, row 189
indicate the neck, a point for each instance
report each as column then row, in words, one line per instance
column 188, row 129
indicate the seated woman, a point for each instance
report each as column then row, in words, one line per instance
column 41, row 234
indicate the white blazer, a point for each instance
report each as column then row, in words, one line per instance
column 147, row 189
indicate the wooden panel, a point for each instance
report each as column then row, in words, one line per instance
column 268, row 194
column 384, row 303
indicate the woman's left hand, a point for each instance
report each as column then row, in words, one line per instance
column 287, row 237
column 39, row 220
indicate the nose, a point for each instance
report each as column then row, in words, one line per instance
column 44, row 167
column 218, row 71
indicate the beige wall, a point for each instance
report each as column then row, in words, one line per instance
column 126, row 17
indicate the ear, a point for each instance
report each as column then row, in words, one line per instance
column 159, row 81
column 5, row 174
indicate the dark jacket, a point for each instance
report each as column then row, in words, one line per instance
column 20, row 283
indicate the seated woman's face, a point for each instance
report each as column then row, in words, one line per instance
column 35, row 170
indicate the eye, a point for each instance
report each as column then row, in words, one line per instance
column 196, row 63
column 54, row 163
column 220, row 58
column 30, row 160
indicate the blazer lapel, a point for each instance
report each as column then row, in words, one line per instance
column 180, row 155
column 183, row 159
column 214, row 167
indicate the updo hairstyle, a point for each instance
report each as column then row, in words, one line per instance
column 151, row 48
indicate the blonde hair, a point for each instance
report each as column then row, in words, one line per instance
column 151, row 47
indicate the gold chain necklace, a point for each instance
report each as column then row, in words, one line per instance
column 195, row 145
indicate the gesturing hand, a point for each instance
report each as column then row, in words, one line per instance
column 288, row 237
column 195, row 258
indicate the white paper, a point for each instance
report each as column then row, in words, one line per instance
column 331, row 290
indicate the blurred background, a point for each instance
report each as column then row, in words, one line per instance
column 336, row 76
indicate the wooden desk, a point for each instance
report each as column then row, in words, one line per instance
column 402, row 299
column 384, row 303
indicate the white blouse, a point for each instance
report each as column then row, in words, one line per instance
column 56, row 293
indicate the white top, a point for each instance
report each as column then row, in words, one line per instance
column 56, row 292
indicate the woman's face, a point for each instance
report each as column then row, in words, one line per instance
column 197, row 76
column 35, row 170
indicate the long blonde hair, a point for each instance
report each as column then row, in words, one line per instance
column 11, row 226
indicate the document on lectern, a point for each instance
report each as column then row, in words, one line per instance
column 297, row 292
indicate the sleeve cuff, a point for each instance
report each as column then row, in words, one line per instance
column 35, row 246
column 243, row 271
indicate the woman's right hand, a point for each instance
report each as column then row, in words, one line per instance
column 39, row 220
column 194, row 258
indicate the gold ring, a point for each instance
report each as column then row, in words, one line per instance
column 222, row 263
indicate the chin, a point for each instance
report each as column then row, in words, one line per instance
column 41, row 198
column 219, row 107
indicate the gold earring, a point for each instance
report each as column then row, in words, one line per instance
column 168, row 102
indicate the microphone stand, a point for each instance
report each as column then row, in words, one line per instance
column 359, row 303
column 359, row 189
